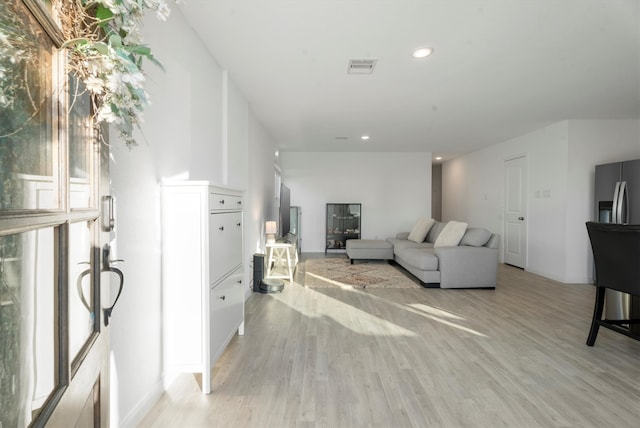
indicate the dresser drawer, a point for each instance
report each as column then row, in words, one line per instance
column 221, row 201
column 226, row 312
column 225, row 238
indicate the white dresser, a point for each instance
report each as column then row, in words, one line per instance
column 203, row 296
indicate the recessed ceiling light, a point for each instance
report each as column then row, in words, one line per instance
column 365, row 137
column 438, row 157
column 422, row 52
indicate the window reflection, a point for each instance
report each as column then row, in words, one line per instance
column 80, row 133
column 27, row 325
column 26, row 111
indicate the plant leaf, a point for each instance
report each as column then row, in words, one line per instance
column 115, row 41
column 156, row 62
column 74, row 42
column 100, row 47
column 140, row 50
column 103, row 13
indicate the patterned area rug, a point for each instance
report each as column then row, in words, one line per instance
column 339, row 273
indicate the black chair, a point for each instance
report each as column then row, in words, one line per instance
column 616, row 253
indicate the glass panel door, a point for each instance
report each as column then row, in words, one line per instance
column 53, row 355
column 28, row 339
column 28, row 165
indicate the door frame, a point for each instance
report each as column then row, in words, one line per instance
column 524, row 193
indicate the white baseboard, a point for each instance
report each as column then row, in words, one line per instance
column 564, row 280
column 139, row 411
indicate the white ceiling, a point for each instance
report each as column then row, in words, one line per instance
column 501, row 68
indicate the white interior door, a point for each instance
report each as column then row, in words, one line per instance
column 515, row 212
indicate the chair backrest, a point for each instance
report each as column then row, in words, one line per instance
column 616, row 253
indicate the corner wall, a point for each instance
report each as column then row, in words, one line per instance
column 561, row 159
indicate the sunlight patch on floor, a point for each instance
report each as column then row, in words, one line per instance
column 431, row 313
column 348, row 316
column 435, row 311
column 331, row 281
column 454, row 325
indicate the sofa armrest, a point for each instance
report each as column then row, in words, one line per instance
column 402, row 235
column 494, row 241
column 467, row 267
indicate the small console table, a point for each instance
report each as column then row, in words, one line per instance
column 281, row 254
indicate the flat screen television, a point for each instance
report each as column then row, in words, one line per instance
column 285, row 211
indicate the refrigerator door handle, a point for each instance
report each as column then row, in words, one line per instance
column 623, row 217
column 614, row 209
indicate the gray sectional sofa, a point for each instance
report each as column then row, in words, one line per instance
column 473, row 263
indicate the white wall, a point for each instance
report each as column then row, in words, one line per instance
column 393, row 188
column 235, row 135
column 260, row 199
column 560, row 160
column 136, row 366
column 199, row 127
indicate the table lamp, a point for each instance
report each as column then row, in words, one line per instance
column 270, row 229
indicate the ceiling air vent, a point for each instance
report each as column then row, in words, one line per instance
column 361, row 66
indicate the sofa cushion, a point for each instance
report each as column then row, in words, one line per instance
column 451, row 234
column 402, row 244
column 475, row 237
column 402, row 235
column 421, row 258
column 435, row 231
column 420, row 229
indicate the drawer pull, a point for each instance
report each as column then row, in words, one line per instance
column 222, row 297
column 238, row 224
column 221, row 228
column 221, row 201
column 239, row 281
column 239, row 202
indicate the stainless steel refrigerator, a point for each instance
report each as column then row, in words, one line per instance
column 617, row 196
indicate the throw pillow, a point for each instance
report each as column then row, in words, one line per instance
column 420, row 229
column 475, row 237
column 435, row 231
column 451, row 234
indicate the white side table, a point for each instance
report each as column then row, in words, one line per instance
column 281, row 253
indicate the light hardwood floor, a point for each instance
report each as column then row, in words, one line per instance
column 510, row 357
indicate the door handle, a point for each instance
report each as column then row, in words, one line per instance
column 107, row 311
column 623, row 216
column 106, row 267
column 80, row 290
column 615, row 213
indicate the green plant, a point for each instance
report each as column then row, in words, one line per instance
column 106, row 52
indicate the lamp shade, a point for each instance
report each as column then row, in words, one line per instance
column 270, row 227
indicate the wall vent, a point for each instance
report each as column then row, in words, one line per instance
column 361, row 66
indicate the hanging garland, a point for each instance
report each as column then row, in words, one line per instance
column 106, row 52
